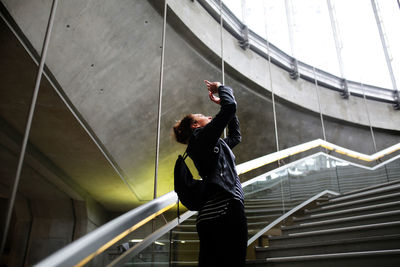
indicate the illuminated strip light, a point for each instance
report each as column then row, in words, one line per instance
column 264, row 160
column 122, row 235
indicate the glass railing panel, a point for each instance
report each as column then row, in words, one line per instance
column 393, row 170
column 185, row 244
column 156, row 254
column 310, row 176
column 353, row 177
column 265, row 200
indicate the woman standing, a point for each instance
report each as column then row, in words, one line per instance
column 221, row 222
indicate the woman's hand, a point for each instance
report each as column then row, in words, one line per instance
column 212, row 86
column 214, row 98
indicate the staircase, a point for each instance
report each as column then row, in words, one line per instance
column 359, row 228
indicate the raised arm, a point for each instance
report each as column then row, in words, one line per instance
column 234, row 137
column 213, row 130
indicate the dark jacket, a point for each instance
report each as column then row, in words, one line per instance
column 212, row 155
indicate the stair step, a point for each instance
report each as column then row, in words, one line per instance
column 356, row 203
column 331, row 246
column 363, row 194
column 370, row 230
column 379, row 217
column 354, row 211
column 368, row 188
column 387, row 258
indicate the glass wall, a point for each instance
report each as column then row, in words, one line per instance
column 306, row 32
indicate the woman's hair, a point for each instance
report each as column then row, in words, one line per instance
column 183, row 130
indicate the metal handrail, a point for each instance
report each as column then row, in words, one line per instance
column 133, row 251
column 289, row 213
column 87, row 247
column 259, row 45
column 264, row 160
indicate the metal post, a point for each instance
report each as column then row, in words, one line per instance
column 369, row 119
column 319, row 104
column 336, row 36
column 28, row 125
column 160, row 100
column 289, row 19
column 385, row 46
column 244, row 16
column 222, row 48
column 273, row 100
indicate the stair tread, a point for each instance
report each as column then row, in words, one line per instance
column 340, row 229
column 339, row 212
column 336, row 255
column 345, row 219
column 360, row 201
column 330, row 242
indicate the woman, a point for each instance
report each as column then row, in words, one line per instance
column 221, row 222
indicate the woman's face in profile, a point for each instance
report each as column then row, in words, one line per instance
column 201, row 120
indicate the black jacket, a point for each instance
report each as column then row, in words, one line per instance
column 212, row 155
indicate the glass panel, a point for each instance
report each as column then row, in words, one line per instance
column 311, row 176
column 185, row 244
column 352, row 177
column 158, row 252
column 363, row 57
column 265, row 200
column 294, row 183
column 154, row 255
column 393, row 170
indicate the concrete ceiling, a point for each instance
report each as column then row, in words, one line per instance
column 62, row 160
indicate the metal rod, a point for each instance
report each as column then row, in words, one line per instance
column 28, row 125
column 271, row 85
column 369, row 119
column 289, row 19
column 160, row 100
column 222, row 43
column 385, row 46
column 319, row 104
column 222, row 48
column 336, row 36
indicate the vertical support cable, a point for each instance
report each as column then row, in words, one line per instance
column 244, row 16
column 222, row 42
column 319, row 104
column 369, row 118
column 336, row 37
column 28, row 124
column 385, row 47
column 160, row 100
column 222, row 48
column 273, row 98
column 289, row 19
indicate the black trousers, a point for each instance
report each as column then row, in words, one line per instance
column 223, row 241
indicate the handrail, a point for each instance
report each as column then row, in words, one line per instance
column 289, row 213
column 87, row 247
column 259, row 45
column 133, row 251
column 264, row 160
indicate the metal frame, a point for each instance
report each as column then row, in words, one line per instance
column 259, row 45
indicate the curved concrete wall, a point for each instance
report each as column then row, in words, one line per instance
column 106, row 57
